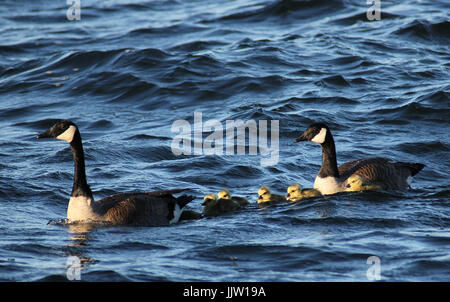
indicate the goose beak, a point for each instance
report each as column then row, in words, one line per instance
column 288, row 195
column 45, row 134
column 301, row 138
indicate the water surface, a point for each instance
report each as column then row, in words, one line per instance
column 128, row 69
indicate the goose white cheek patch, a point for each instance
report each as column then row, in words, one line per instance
column 320, row 137
column 68, row 134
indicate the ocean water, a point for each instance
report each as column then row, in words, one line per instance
column 127, row 70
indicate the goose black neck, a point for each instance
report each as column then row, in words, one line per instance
column 329, row 161
column 80, row 186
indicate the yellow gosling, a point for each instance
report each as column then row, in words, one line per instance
column 295, row 193
column 225, row 194
column 209, row 198
column 214, row 207
column 356, row 183
column 264, row 195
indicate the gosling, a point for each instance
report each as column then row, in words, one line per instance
column 356, row 183
column 214, row 207
column 295, row 193
column 264, row 195
column 225, row 194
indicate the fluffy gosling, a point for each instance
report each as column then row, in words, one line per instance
column 356, row 183
column 214, row 207
column 295, row 193
column 225, row 194
column 264, row 195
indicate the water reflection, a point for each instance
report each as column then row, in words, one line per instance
column 77, row 259
column 75, row 250
column 79, row 233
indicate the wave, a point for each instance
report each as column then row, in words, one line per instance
column 86, row 60
column 413, row 110
column 362, row 17
column 335, row 80
column 420, row 30
column 323, row 100
column 436, row 97
column 418, row 148
column 173, row 29
column 286, row 9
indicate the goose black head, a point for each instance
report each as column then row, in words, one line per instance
column 64, row 130
column 316, row 133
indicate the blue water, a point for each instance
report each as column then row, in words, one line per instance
column 129, row 69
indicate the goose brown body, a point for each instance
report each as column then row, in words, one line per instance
column 148, row 208
column 392, row 175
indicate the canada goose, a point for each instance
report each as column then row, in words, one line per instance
column 331, row 179
column 146, row 208
column 296, row 193
column 225, row 194
column 264, row 195
column 214, row 207
column 355, row 183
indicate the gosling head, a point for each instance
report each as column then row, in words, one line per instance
column 224, row 194
column 316, row 133
column 208, row 199
column 294, row 192
column 65, row 130
column 264, row 194
column 354, row 183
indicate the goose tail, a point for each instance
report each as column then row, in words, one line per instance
column 414, row 168
column 183, row 200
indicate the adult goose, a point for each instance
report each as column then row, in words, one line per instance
column 386, row 174
column 155, row 208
